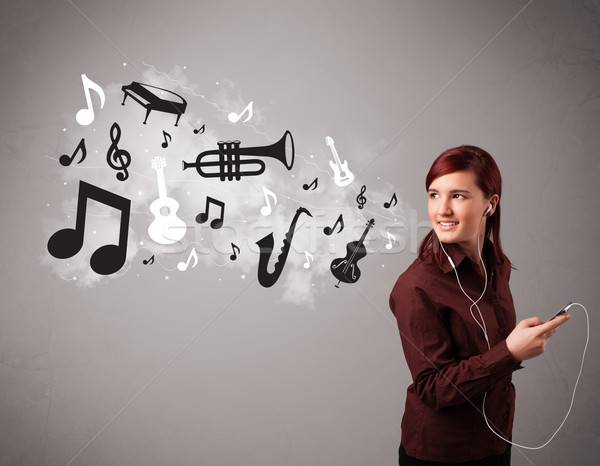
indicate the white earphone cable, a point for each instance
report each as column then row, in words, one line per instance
column 484, row 329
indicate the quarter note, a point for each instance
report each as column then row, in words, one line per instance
column 360, row 198
column 86, row 115
column 234, row 117
column 306, row 187
column 393, row 199
column 329, row 230
column 183, row 266
column 149, row 261
column 234, row 255
column 65, row 160
column 199, row 130
column 67, row 242
column 118, row 159
column 267, row 209
column 203, row 216
column 165, row 135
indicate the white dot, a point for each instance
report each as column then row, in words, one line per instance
column 94, row 130
column 146, row 150
column 47, row 205
column 217, row 83
column 166, row 277
column 94, row 232
column 382, row 265
column 139, row 193
column 65, row 183
column 124, row 64
column 75, row 278
column 185, row 67
column 64, row 129
column 188, row 193
column 243, row 277
column 141, row 243
column 219, row 279
column 312, row 156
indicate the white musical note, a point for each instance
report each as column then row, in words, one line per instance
column 234, row 117
column 182, row 266
column 86, row 115
column 266, row 210
column 307, row 263
column 391, row 238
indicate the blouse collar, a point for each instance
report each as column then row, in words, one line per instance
column 458, row 256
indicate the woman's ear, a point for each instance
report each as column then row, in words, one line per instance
column 494, row 200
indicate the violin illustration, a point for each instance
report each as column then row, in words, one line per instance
column 345, row 268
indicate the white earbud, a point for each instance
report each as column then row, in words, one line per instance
column 487, row 212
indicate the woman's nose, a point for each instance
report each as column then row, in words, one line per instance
column 444, row 208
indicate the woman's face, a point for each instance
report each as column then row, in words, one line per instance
column 456, row 207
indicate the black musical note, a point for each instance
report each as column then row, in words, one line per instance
column 234, row 255
column 165, row 135
column 149, row 261
column 67, row 242
column 199, row 130
column 329, row 230
column 203, row 216
column 65, row 160
column 360, row 198
column 388, row 204
column 118, row 159
column 307, row 186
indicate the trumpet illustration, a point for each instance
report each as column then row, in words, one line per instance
column 229, row 161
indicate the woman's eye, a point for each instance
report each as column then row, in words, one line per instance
column 459, row 196
column 433, row 195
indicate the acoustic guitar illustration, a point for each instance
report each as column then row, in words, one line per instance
column 166, row 228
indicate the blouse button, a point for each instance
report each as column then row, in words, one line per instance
column 494, row 301
column 501, row 331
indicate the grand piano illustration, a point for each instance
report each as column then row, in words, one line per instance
column 155, row 98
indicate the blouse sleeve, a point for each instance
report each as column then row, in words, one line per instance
column 441, row 380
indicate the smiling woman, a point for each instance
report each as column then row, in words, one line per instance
column 460, row 360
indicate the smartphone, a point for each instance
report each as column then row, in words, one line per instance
column 564, row 309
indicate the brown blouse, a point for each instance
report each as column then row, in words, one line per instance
column 450, row 363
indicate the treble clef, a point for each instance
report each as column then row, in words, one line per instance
column 360, row 198
column 118, row 159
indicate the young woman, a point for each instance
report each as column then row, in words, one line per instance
column 457, row 321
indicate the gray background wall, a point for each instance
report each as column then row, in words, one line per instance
column 156, row 366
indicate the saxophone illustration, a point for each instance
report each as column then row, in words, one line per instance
column 266, row 278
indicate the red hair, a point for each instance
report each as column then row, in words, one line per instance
column 487, row 178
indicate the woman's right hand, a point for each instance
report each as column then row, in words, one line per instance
column 530, row 336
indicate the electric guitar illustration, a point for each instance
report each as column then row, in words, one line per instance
column 166, row 228
column 338, row 167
